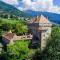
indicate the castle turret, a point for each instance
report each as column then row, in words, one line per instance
column 41, row 29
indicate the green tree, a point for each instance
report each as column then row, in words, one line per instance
column 7, row 26
column 17, row 51
column 21, row 29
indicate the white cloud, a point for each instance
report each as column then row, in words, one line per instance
column 41, row 5
column 36, row 5
column 12, row 2
column 20, row 8
column 54, row 9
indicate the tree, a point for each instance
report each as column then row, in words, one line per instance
column 21, row 29
column 7, row 26
column 17, row 51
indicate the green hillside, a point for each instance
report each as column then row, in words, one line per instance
column 9, row 9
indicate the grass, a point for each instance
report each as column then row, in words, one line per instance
column 12, row 21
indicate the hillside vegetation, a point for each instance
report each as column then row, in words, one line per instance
column 17, row 26
column 19, row 50
column 9, row 9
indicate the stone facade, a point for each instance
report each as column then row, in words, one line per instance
column 12, row 37
column 41, row 29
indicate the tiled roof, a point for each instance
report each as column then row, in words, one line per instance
column 9, row 36
column 39, row 19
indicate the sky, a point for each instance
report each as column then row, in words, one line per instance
column 57, row 2
column 36, row 5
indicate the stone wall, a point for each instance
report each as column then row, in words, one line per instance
column 44, row 38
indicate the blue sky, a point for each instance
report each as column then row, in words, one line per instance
column 57, row 2
column 36, row 5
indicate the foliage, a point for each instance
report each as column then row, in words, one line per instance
column 21, row 29
column 7, row 26
column 52, row 51
column 9, row 9
column 17, row 51
column 17, row 26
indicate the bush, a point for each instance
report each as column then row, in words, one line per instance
column 17, row 51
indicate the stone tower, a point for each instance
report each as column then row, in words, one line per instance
column 40, row 27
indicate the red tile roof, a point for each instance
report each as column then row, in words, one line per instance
column 39, row 19
column 9, row 36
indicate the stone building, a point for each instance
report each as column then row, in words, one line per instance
column 10, row 37
column 40, row 27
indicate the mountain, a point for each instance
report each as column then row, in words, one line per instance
column 51, row 16
column 6, row 8
column 9, row 9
